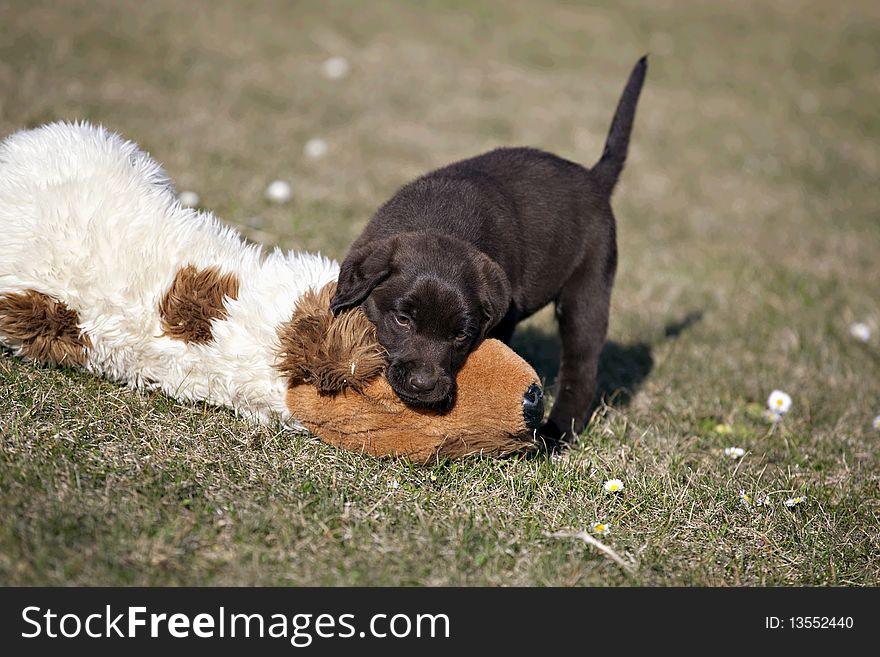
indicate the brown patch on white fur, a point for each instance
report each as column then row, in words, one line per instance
column 43, row 328
column 327, row 351
column 195, row 299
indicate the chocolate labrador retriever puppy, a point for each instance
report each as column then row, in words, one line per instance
column 471, row 249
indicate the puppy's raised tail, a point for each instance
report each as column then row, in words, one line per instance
column 607, row 169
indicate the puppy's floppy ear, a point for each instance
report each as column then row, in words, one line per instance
column 362, row 270
column 495, row 294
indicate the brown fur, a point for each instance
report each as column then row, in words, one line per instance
column 486, row 418
column 195, row 299
column 46, row 329
column 330, row 353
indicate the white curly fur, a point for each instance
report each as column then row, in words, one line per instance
column 91, row 220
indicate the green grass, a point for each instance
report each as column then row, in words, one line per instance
column 748, row 237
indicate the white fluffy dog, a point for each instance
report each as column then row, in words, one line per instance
column 97, row 253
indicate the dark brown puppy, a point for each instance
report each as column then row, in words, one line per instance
column 471, row 249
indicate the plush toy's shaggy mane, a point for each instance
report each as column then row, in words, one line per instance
column 194, row 300
column 45, row 328
column 328, row 352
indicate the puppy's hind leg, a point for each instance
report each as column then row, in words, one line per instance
column 582, row 311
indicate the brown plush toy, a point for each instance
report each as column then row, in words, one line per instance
column 338, row 392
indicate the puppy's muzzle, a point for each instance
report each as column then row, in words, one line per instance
column 421, row 387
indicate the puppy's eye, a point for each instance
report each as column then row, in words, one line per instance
column 461, row 337
column 402, row 319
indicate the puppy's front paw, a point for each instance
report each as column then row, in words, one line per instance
column 552, row 438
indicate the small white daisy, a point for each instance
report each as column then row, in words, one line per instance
column 278, row 191
column 601, row 528
column 393, row 484
column 745, row 499
column 335, row 68
column 763, row 501
column 772, row 416
column 734, row 452
column 876, row 423
column 792, row 502
column 189, row 199
column 779, row 402
column 315, row 148
column 613, row 486
column 860, row 331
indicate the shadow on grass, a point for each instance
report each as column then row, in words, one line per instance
column 622, row 367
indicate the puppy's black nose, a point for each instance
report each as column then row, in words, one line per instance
column 421, row 382
column 533, row 406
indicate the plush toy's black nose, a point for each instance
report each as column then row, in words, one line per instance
column 533, row 406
